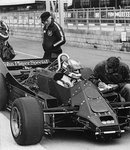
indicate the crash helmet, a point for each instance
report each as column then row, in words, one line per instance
column 4, row 31
column 74, row 68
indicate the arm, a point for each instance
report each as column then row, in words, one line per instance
column 95, row 76
column 125, row 75
column 60, row 36
column 4, row 31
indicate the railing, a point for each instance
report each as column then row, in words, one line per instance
column 81, row 18
column 98, row 17
column 22, row 19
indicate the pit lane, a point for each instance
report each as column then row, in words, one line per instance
column 62, row 140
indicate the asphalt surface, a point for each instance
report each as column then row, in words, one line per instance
column 62, row 140
column 88, row 57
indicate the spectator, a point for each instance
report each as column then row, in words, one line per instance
column 113, row 71
column 4, row 35
column 6, row 50
column 53, row 37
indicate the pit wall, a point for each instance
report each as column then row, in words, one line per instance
column 103, row 40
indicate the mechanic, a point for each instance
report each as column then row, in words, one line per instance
column 53, row 37
column 113, row 71
column 4, row 35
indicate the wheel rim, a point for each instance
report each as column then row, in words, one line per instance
column 15, row 121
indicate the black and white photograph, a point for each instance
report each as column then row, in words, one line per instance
column 64, row 74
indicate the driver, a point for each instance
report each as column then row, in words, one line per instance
column 74, row 69
column 72, row 74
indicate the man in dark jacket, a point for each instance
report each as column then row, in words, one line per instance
column 4, row 34
column 6, row 50
column 53, row 37
column 113, row 71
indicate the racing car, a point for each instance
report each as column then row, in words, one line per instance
column 45, row 97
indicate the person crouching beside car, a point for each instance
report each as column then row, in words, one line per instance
column 113, row 71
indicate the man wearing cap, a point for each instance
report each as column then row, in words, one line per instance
column 53, row 37
column 113, row 71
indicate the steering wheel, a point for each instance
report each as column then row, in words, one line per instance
column 61, row 59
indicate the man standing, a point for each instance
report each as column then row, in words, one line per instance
column 4, row 34
column 53, row 37
column 113, row 71
column 6, row 50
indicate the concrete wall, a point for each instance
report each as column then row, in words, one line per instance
column 104, row 40
column 94, row 39
column 26, row 33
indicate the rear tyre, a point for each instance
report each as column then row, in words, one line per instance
column 3, row 93
column 26, row 121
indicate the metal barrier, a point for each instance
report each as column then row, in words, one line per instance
column 98, row 17
column 22, row 19
column 75, row 18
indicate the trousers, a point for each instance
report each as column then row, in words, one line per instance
column 125, row 92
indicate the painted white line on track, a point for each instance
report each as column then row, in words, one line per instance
column 27, row 54
column 6, row 139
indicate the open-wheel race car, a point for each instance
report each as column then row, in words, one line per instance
column 44, row 97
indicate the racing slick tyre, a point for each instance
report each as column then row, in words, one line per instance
column 3, row 93
column 26, row 121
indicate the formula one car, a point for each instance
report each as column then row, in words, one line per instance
column 45, row 97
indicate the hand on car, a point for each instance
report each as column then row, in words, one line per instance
column 102, row 85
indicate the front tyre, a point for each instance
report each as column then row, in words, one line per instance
column 26, row 121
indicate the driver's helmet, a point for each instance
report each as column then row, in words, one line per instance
column 74, row 68
column 4, row 31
